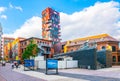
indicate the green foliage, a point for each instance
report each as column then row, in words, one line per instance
column 31, row 50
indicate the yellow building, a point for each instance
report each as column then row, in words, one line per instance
column 12, row 50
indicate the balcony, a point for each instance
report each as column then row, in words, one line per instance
column 59, row 27
column 47, row 52
column 48, row 29
column 46, row 45
column 50, row 25
column 59, row 35
column 49, row 21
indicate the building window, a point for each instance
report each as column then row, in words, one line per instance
column 63, row 46
column 114, row 58
column 37, row 42
column 103, row 48
column 118, row 58
column 113, row 48
column 22, row 50
column 48, row 49
column 25, row 43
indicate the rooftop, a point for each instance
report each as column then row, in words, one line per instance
column 91, row 39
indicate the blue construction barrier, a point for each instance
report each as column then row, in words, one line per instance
column 29, row 63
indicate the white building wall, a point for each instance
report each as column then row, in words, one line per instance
column 72, row 64
column 62, row 64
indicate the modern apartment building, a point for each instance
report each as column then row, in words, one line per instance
column 51, row 25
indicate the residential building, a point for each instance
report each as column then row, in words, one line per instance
column 59, row 47
column 51, row 25
column 12, row 49
column 45, row 46
column 101, row 42
column 5, row 41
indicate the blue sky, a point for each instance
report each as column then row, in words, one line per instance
column 17, row 12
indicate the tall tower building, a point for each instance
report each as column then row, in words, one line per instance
column 1, row 40
column 51, row 25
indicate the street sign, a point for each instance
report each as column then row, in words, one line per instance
column 52, row 64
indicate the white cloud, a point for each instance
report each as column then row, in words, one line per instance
column 97, row 19
column 31, row 28
column 18, row 8
column 15, row 7
column 3, row 16
column 2, row 9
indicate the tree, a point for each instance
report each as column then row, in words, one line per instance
column 30, row 51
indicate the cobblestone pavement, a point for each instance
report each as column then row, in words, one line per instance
column 7, row 74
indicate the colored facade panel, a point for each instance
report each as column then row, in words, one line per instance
column 50, row 25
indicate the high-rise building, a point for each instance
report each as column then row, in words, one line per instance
column 1, row 40
column 51, row 25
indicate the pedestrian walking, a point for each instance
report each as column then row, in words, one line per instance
column 12, row 66
column 17, row 65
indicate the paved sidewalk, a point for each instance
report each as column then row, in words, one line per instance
column 76, row 75
column 41, row 74
column 7, row 74
column 2, row 78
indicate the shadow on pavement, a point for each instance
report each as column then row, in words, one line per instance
column 80, row 76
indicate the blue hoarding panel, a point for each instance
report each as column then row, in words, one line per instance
column 52, row 64
column 28, row 63
column 31, row 62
